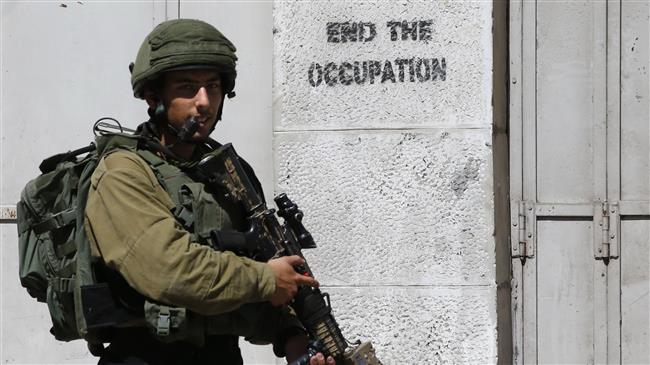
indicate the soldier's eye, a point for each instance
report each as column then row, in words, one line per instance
column 186, row 86
column 213, row 85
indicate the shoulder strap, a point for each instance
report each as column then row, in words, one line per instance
column 161, row 168
column 49, row 164
column 111, row 141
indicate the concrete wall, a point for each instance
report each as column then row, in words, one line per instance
column 382, row 134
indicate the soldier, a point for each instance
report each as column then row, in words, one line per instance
column 148, row 221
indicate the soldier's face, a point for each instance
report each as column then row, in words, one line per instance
column 192, row 93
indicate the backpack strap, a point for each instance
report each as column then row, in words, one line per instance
column 161, row 168
column 56, row 221
column 62, row 285
column 50, row 163
column 65, row 249
column 111, row 141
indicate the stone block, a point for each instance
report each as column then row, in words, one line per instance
column 424, row 325
column 399, row 208
column 382, row 64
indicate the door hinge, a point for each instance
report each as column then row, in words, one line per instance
column 522, row 232
column 606, row 230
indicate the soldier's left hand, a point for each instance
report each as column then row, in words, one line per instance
column 319, row 359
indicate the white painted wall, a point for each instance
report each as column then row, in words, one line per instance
column 395, row 177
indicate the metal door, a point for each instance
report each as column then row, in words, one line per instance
column 580, row 183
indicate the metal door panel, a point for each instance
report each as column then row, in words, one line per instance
column 565, row 109
column 70, row 62
column 529, row 328
column 529, row 99
column 566, row 292
column 564, row 143
column 612, row 327
column 635, row 81
column 633, row 311
column 517, row 313
column 635, row 304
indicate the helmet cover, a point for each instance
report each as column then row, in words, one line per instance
column 183, row 44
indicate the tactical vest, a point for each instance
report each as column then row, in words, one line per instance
column 200, row 211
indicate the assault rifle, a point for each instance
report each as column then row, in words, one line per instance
column 265, row 239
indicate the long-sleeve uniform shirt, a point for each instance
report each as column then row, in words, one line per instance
column 131, row 227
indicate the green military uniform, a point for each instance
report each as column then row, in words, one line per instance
column 133, row 231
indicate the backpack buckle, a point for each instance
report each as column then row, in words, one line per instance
column 62, row 285
column 56, row 221
column 164, row 322
column 168, row 318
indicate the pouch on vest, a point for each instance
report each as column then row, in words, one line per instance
column 171, row 324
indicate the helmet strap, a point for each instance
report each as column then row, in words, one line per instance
column 159, row 118
column 160, row 111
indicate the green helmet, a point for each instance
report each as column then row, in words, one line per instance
column 181, row 44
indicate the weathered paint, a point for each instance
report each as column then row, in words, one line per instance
column 458, row 96
column 8, row 213
column 370, row 72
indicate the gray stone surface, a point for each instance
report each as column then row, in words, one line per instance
column 398, row 208
column 460, row 33
column 394, row 177
column 424, row 325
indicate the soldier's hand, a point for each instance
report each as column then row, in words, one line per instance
column 287, row 279
column 296, row 347
column 319, row 359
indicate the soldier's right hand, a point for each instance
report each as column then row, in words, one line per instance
column 287, row 280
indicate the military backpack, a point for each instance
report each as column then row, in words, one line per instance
column 54, row 253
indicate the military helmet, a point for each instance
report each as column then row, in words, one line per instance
column 183, row 44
